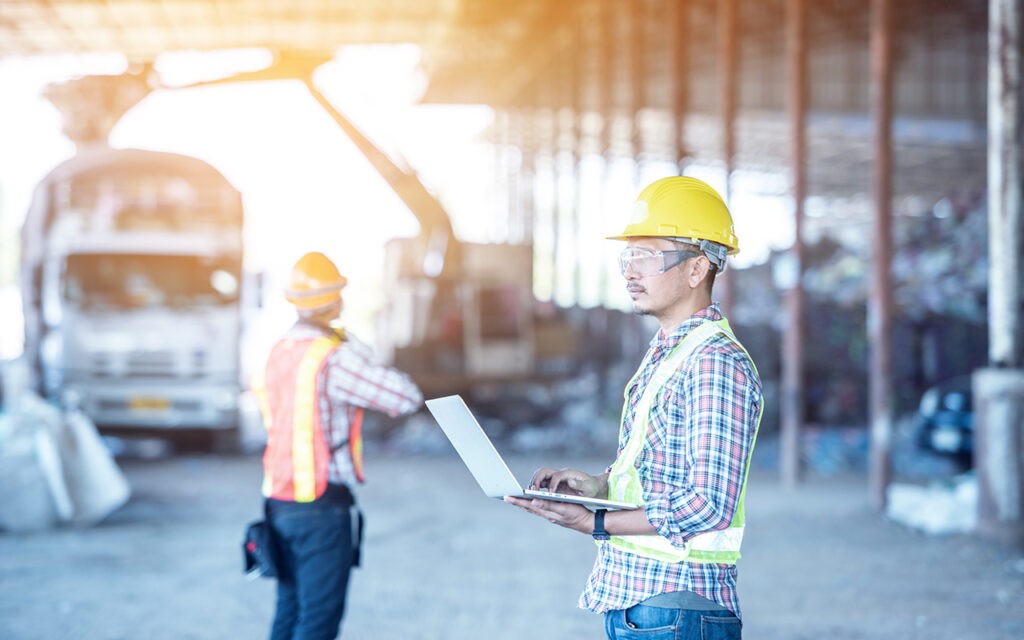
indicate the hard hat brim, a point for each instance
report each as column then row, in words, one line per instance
column 731, row 249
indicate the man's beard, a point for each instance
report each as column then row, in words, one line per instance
column 641, row 311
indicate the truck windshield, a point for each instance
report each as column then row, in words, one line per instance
column 135, row 281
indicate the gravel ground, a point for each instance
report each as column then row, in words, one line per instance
column 444, row 562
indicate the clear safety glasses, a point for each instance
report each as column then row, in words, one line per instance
column 647, row 262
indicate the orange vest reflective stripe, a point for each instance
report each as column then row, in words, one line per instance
column 297, row 456
column 355, row 443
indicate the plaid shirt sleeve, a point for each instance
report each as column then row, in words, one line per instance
column 701, row 435
column 354, row 380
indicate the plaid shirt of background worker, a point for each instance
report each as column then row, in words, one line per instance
column 351, row 379
column 692, row 468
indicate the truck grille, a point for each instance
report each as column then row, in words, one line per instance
column 187, row 406
column 148, row 364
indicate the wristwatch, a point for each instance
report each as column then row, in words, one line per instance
column 599, row 532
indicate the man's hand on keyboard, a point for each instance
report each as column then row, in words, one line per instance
column 570, row 481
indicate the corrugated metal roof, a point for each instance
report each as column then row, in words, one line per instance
column 619, row 65
column 502, row 39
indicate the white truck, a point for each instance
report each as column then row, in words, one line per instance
column 132, row 285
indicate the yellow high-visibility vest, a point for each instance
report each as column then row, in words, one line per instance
column 720, row 547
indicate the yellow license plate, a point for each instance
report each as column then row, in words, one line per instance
column 149, row 404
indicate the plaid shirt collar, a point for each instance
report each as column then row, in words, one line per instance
column 303, row 330
column 661, row 340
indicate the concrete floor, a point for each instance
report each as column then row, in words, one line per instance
column 444, row 562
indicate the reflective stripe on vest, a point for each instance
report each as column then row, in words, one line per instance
column 720, row 547
column 297, row 457
column 355, row 442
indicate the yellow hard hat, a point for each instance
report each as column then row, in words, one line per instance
column 315, row 282
column 681, row 208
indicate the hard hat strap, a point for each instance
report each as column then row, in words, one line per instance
column 312, row 293
column 715, row 252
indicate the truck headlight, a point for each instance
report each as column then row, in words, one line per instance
column 225, row 400
column 71, row 399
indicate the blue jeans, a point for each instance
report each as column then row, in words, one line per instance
column 655, row 623
column 316, row 555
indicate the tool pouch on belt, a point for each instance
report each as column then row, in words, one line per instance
column 259, row 550
column 358, row 521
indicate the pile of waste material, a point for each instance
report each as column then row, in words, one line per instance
column 939, row 262
column 942, row 507
column 54, row 467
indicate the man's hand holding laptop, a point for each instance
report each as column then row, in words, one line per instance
column 565, row 481
column 628, row 521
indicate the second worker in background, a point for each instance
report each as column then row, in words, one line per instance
column 317, row 383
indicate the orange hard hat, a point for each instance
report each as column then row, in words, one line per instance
column 315, row 282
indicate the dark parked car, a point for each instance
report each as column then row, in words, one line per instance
column 945, row 421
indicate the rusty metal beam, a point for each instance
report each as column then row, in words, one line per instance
column 517, row 49
column 880, row 301
column 69, row 33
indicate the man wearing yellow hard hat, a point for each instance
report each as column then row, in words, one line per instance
column 313, row 391
column 688, row 426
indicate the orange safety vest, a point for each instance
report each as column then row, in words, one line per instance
column 297, row 457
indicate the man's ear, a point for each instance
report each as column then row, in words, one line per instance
column 698, row 270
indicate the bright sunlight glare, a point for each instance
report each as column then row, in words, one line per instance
column 305, row 186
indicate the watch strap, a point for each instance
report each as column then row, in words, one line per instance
column 599, row 531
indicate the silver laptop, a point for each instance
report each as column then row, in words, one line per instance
column 484, row 462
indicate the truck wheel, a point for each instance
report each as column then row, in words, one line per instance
column 226, row 441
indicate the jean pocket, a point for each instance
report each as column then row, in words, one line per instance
column 726, row 627
column 334, row 530
column 650, row 623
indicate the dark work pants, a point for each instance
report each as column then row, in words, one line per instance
column 315, row 548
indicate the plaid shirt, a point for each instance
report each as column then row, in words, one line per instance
column 701, row 431
column 351, row 379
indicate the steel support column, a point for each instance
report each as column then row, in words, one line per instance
column 606, row 107
column 551, row 136
column 998, row 390
column 880, row 301
column 528, row 174
column 792, row 402
column 680, row 83
column 728, row 83
column 567, row 249
column 499, row 231
column 1005, row 137
column 637, row 82
column 575, row 71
